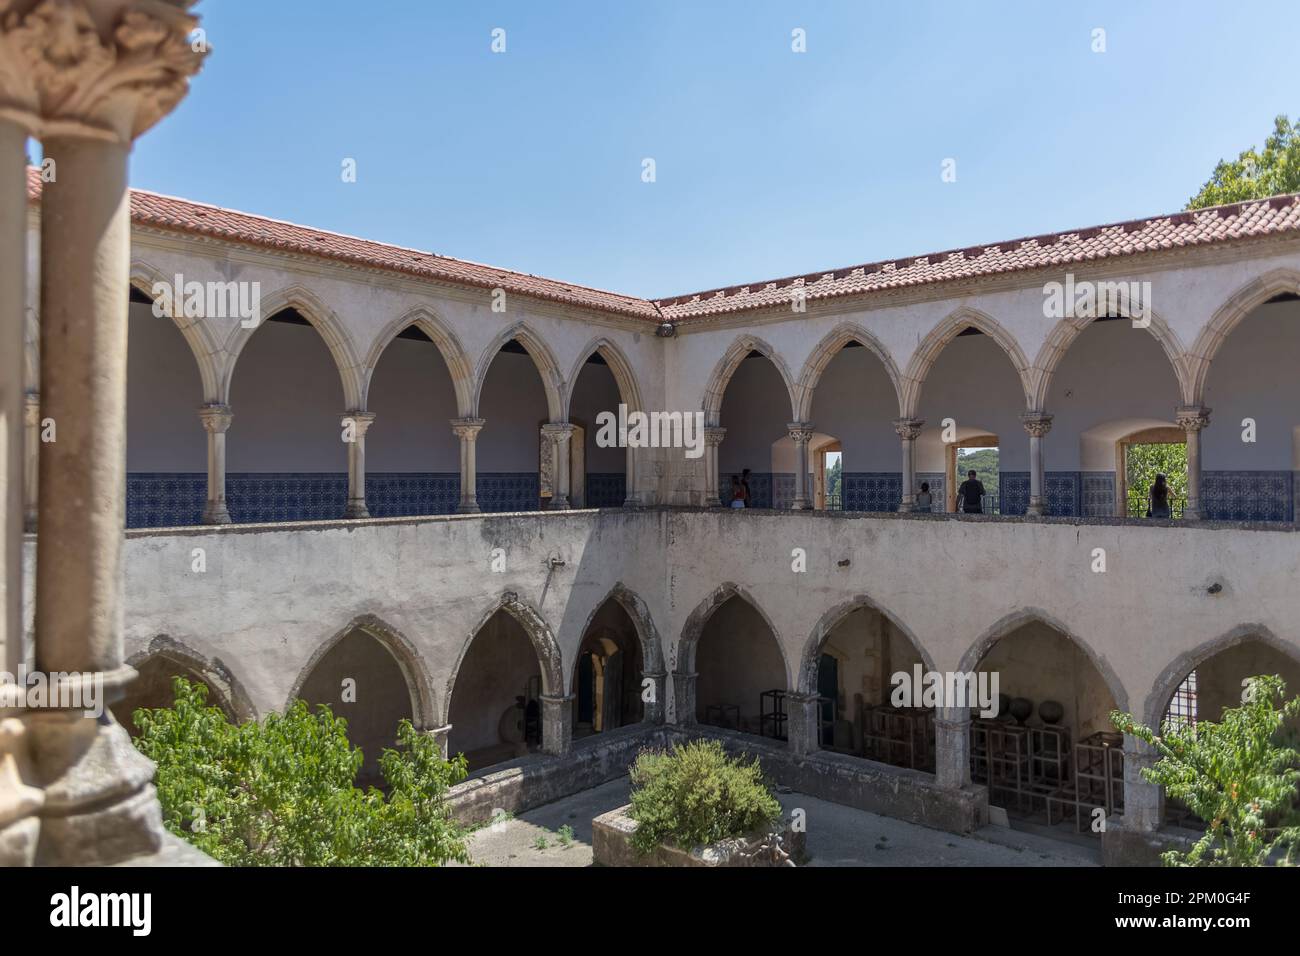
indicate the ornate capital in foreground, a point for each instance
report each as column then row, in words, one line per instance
column 558, row 431
column 467, row 429
column 1037, row 424
column 98, row 69
column 1192, row 418
column 908, row 428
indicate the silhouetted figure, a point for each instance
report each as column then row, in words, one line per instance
column 1158, row 502
column 971, row 495
column 737, row 492
column 925, row 501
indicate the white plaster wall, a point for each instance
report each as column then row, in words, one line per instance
column 163, row 395
column 271, row 595
column 856, row 402
column 412, row 398
column 1111, row 372
column 287, row 404
column 1254, row 376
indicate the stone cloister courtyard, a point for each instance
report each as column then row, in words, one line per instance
column 523, row 534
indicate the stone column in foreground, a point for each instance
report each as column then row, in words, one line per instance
column 467, row 429
column 907, row 429
column 216, row 420
column 357, row 424
column 1037, row 424
column 1193, row 419
column 104, row 71
column 801, row 434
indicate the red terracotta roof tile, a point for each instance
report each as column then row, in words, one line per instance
column 1244, row 220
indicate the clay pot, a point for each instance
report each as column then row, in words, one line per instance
column 1021, row 708
column 1051, row 711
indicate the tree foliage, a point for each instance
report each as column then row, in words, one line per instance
column 1144, row 462
column 985, row 463
column 695, row 794
column 1256, row 174
column 280, row 791
column 1239, row 775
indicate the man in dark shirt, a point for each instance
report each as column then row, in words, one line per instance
column 971, row 495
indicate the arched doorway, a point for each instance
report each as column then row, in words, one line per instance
column 741, row 683
column 513, row 402
column 1051, row 757
column 858, row 652
column 166, row 447
column 412, row 456
column 359, row 680
column 286, row 457
column 607, row 673
column 755, row 410
column 495, row 709
column 152, row 689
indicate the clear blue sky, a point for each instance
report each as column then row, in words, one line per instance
column 769, row 162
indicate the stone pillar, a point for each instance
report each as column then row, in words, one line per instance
column 630, row 499
column 359, row 423
column 216, row 420
column 559, row 433
column 952, row 747
column 1144, row 802
column 20, row 802
column 31, row 458
column 801, row 434
column 712, row 488
column 804, row 723
column 467, row 429
column 908, row 429
column 104, row 71
column 1193, row 419
column 440, row 736
column 1037, row 424
column 684, row 698
column 557, row 725
column 655, row 710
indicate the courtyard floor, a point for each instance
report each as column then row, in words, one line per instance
column 837, row 836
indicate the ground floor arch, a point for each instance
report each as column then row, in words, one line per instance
column 734, row 669
column 607, row 673
column 153, row 688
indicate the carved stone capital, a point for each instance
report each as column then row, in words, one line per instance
column 801, row 432
column 96, row 69
column 558, row 431
column 908, row 428
column 1037, row 424
column 1192, row 418
column 713, row 435
column 360, row 422
column 467, row 429
column 216, row 418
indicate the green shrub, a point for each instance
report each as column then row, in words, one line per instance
column 1238, row 775
column 695, row 794
column 280, row 791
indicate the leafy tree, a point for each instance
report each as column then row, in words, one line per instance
column 985, row 463
column 695, row 795
column 834, row 476
column 280, row 791
column 1256, row 175
column 1239, row 775
column 1143, row 463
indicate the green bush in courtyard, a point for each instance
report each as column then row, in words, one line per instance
column 695, row 794
column 1239, row 776
column 280, row 791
